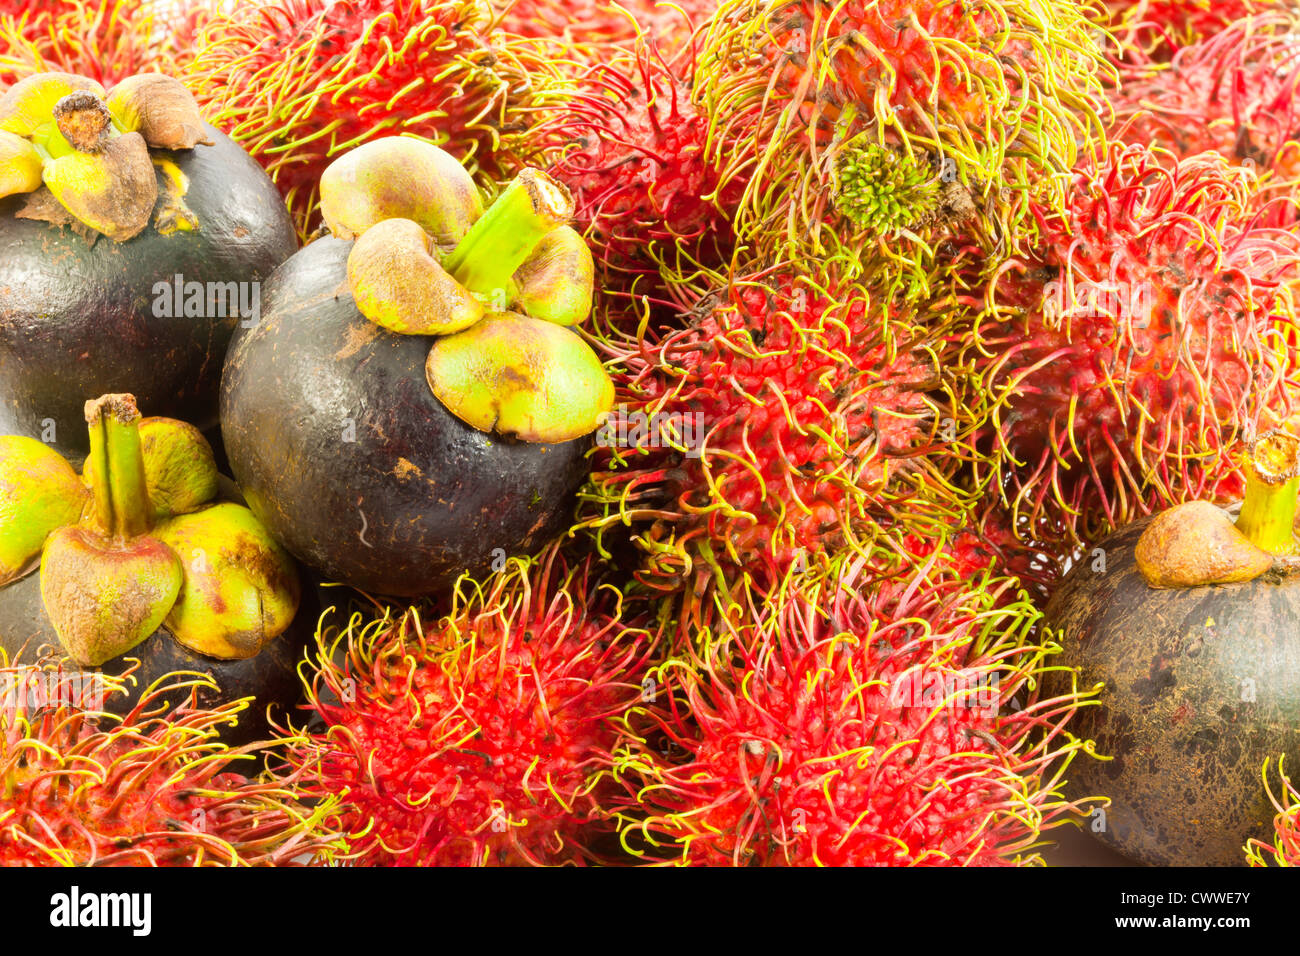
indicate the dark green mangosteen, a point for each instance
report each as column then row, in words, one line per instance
column 138, row 564
column 1191, row 623
column 411, row 403
column 133, row 240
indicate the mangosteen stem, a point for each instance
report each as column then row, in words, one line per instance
column 84, row 120
column 1272, row 485
column 115, row 466
column 485, row 261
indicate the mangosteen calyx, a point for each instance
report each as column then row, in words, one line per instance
column 137, row 541
column 91, row 148
column 498, row 301
column 1197, row 543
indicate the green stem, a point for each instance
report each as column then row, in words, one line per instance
column 1272, row 486
column 116, row 466
column 506, row 234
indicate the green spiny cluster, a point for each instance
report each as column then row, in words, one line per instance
column 879, row 189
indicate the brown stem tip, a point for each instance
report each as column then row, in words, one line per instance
column 1275, row 458
column 83, row 119
column 119, row 407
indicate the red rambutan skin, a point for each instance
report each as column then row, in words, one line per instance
column 633, row 148
column 1149, row 333
column 867, row 718
column 595, row 23
column 1160, row 28
column 1236, row 92
column 771, row 426
column 106, row 40
column 297, row 82
column 154, row 788
column 987, row 543
column 477, row 741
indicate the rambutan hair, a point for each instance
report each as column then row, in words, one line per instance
column 881, row 714
column 1237, row 92
column 980, row 105
column 786, row 419
column 297, row 82
column 631, row 148
column 1285, row 849
column 81, row 787
column 476, row 740
column 597, row 25
column 1150, row 332
column 1158, row 29
column 106, row 40
column 985, row 542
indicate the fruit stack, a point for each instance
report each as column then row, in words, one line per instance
column 756, row 432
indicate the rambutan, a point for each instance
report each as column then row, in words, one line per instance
column 297, row 82
column 987, row 542
column 1236, row 92
column 830, row 112
column 881, row 715
column 784, row 420
column 478, row 740
column 106, row 40
column 81, row 787
column 1285, row 849
column 595, row 23
column 633, row 154
column 1147, row 334
column 1158, row 29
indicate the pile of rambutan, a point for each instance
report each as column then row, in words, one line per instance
column 906, row 306
column 480, row 737
column 880, row 714
column 1123, row 362
column 156, row 787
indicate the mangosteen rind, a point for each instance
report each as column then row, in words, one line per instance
column 1201, row 686
column 352, row 463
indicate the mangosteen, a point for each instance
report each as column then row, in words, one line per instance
column 388, row 418
column 133, row 240
column 139, row 565
column 1189, row 623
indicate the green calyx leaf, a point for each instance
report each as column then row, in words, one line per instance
column 557, row 280
column 104, row 595
column 112, row 191
column 241, row 589
column 20, row 165
column 398, row 177
column 39, row 492
column 160, row 109
column 521, row 376
column 397, row 283
column 180, row 470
